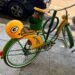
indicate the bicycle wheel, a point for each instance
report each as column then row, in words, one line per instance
column 68, row 38
column 15, row 56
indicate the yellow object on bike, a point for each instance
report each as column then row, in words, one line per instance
column 63, row 17
column 35, row 40
column 40, row 10
column 13, row 28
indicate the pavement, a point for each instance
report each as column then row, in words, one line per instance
column 57, row 61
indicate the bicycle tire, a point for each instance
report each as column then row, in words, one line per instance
column 7, row 49
column 69, row 42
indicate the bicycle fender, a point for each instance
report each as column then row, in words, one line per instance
column 36, row 41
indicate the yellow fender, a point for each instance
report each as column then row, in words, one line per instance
column 36, row 41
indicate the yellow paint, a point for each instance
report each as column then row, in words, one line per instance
column 62, row 24
column 36, row 41
column 42, row 10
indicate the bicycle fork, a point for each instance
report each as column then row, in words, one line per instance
column 59, row 29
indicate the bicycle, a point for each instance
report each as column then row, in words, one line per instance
column 30, row 43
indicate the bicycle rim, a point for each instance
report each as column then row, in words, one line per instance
column 14, row 56
column 68, row 38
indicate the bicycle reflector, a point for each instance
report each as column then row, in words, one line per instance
column 1, row 53
column 13, row 28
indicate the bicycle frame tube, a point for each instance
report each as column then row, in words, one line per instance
column 62, row 24
column 52, row 20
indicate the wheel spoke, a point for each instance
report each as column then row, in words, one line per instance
column 16, row 54
column 15, row 50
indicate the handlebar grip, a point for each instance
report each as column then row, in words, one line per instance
column 40, row 10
